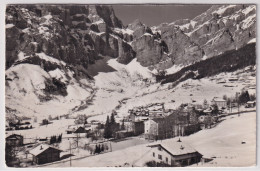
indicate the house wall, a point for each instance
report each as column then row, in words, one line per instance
column 151, row 129
column 186, row 159
column 47, row 156
column 220, row 104
column 183, row 160
column 138, row 128
column 14, row 142
column 129, row 126
column 156, row 151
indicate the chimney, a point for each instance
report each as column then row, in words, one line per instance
column 41, row 147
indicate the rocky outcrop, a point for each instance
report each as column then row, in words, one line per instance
column 149, row 51
column 75, row 34
column 219, row 29
column 126, row 53
column 80, row 34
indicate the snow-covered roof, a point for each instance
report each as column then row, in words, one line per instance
column 252, row 41
column 41, row 148
column 207, row 110
column 14, row 136
column 175, row 148
column 250, row 102
column 217, row 99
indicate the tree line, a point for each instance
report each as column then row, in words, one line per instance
column 56, row 139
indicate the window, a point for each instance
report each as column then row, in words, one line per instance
column 159, row 156
column 166, row 159
column 159, row 148
column 153, row 154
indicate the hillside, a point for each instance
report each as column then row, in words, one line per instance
column 74, row 58
column 227, row 62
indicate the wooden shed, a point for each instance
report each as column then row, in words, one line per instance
column 45, row 154
column 14, row 140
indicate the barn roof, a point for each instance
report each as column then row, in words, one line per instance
column 250, row 102
column 41, row 148
column 14, row 136
column 175, row 148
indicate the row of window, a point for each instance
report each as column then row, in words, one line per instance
column 160, row 157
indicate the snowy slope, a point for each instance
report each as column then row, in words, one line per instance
column 28, row 89
column 222, row 142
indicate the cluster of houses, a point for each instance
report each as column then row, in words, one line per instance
column 39, row 153
column 153, row 121
column 17, row 125
column 84, row 127
column 156, row 122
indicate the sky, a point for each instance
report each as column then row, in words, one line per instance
column 153, row 15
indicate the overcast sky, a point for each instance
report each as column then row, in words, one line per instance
column 156, row 14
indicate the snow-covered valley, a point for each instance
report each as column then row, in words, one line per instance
column 79, row 82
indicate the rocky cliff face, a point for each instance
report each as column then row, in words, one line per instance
column 82, row 34
column 219, row 29
column 49, row 49
column 77, row 35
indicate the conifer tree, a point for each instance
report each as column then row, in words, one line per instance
column 107, row 128
column 123, row 125
column 96, row 149
column 102, row 148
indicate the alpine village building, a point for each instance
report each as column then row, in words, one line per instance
column 45, row 154
column 174, row 153
column 14, row 140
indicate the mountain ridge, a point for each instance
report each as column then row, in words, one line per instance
column 63, row 45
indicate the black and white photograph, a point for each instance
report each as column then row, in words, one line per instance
column 130, row 85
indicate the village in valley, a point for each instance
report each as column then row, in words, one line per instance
column 84, row 90
column 82, row 138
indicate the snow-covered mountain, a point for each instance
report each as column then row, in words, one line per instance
column 75, row 58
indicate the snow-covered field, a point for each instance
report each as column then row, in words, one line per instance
column 221, row 143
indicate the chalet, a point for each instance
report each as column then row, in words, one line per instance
column 80, row 130
column 44, row 153
column 221, row 103
column 174, row 153
column 14, row 140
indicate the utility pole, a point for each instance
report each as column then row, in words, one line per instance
column 237, row 103
column 230, row 107
column 70, row 154
column 110, row 146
